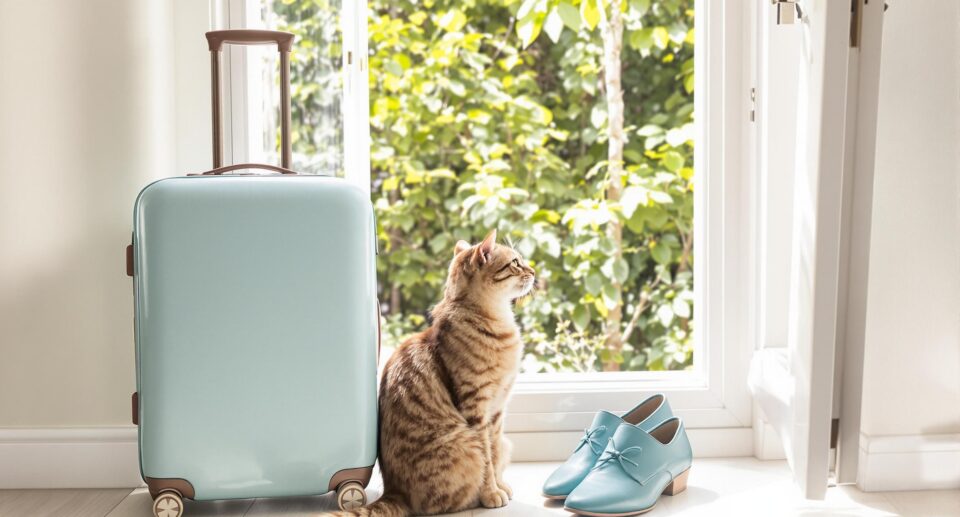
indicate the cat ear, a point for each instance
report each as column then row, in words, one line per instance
column 485, row 247
column 460, row 247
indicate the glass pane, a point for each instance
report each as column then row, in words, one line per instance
column 481, row 120
column 316, row 75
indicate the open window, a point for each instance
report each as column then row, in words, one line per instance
column 498, row 115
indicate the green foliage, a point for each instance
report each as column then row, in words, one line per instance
column 476, row 123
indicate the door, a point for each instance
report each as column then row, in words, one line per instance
column 794, row 386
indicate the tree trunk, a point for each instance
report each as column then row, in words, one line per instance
column 612, row 44
column 393, row 236
column 394, row 299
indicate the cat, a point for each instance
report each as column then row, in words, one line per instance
column 443, row 392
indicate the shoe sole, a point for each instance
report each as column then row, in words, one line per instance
column 554, row 497
column 675, row 487
column 593, row 514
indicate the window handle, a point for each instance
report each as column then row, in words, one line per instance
column 788, row 11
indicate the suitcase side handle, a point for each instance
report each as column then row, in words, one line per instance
column 284, row 42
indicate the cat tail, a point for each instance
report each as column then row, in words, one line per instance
column 389, row 505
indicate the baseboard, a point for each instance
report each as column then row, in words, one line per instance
column 706, row 443
column 69, row 457
column 106, row 457
column 909, row 462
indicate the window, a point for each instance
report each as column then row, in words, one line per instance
column 490, row 115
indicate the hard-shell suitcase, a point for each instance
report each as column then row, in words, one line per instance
column 256, row 325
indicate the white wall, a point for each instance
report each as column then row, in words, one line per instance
column 87, row 118
column 911, row 392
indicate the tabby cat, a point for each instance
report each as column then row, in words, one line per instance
column 443, row 391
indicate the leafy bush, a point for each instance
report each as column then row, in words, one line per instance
column 472, row 129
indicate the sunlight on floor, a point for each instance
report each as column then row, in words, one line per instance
column 717, row 487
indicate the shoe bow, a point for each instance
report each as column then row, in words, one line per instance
column 623, row 458
column 589, row 438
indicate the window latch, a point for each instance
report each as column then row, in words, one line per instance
column 788, row 11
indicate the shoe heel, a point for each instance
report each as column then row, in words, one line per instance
column 679, row 484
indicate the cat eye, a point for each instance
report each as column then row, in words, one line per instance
column 516, row 262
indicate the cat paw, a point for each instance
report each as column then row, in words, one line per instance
column 494, row 498
column 502, row 485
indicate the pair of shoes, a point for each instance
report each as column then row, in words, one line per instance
column 623, row 463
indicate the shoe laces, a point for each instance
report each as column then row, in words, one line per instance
column 612, row 453
column 589, row 438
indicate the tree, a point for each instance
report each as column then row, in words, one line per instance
column 477, row 124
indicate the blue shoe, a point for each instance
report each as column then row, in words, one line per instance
column 645, row 415
column 634, row 469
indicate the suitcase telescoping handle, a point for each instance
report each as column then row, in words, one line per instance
column 284, row 42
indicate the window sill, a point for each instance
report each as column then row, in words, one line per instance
column 622, row 382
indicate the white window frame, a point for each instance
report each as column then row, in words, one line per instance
column 548, row 411
column 774, row 134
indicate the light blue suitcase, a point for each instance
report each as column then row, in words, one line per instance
column 256, row 329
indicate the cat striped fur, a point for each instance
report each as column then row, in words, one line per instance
column 443, row 392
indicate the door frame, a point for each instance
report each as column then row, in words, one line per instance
column 863, row 88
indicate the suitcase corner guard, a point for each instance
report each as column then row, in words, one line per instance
column 181, row 486
column 359, row 474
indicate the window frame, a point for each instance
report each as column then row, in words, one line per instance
column 547, row 411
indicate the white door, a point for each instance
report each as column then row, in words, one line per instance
column 794, row 386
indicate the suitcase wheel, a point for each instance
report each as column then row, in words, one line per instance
column 350, row 495
column 168, row 504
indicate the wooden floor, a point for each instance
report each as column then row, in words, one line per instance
column 717, row 488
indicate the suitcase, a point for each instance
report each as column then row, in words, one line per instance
column 257, row 327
